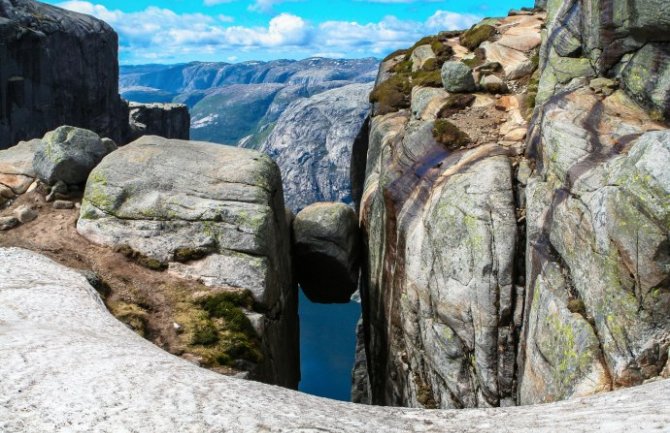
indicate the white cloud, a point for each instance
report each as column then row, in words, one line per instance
column 158, row 34
column 445, row 20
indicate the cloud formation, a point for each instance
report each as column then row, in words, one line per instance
column 159, row 34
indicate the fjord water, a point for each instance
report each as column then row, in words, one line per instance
column 327, row 346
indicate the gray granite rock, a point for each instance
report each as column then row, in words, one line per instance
column 68, row 155
column 208, row 212
column 457, row 77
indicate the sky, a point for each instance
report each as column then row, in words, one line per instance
column 178, row 31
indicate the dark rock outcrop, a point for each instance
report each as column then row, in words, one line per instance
column 59, row 67
column 69, row 154
column 326, row 252
column 43, row 85
column 166, row 120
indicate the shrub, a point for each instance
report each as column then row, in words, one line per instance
column 427, row 78
column 472, row 38
column 392, row 95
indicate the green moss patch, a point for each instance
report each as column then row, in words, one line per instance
column 472, row 38
column 427, row 78
column 216, row 328
column 448, row 134
column 131, row 314
column 392, row 95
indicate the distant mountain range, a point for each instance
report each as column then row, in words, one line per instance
column 240, row 104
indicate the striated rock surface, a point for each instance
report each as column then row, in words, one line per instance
column 597, row 253
column 166, row 120
column 69, row 154
column 210, row 213
column 441, row 297
column 518, row 244
column 42, row 87
column 79, row 370
column 312, row 142
column 326, row 252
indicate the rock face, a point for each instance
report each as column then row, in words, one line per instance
column 312, row 143
column 597, row 253
column 501, row 272
column 64, row 356
column 205, row 212
column 45, row 88
column 69, row 154
column 326, row 252
column 166, row 120
column 440, row 291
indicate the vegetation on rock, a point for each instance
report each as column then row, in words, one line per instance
column 472, row 38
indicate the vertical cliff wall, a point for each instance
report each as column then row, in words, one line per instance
column 56, row 67
column 515, row 209
column 598, row 253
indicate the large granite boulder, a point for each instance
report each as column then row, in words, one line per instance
column 68, row 154
column 206, row 212
column 166, row 120
column 457, row 77
column 67, row 365
column 58, row 68
column 326, row 252
column 312, row 141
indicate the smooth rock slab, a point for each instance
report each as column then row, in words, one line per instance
column 69, row 366
column 326, row 249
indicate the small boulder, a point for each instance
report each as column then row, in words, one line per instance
column 69, row 154
column 8, row 222
column 457, row 77
column 63, row 204
column 326, row 251
column 493, row 84
column 25, row 214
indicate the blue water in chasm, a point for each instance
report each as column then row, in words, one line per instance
column 327, row 345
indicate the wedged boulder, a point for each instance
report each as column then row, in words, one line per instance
column 58, row 68
column 63, row 356
column 457, row 77
column 165, row 120
column 326, row 252
column 69, row 154
column 206, row 212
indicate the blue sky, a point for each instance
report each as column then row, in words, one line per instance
column 154, row 31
